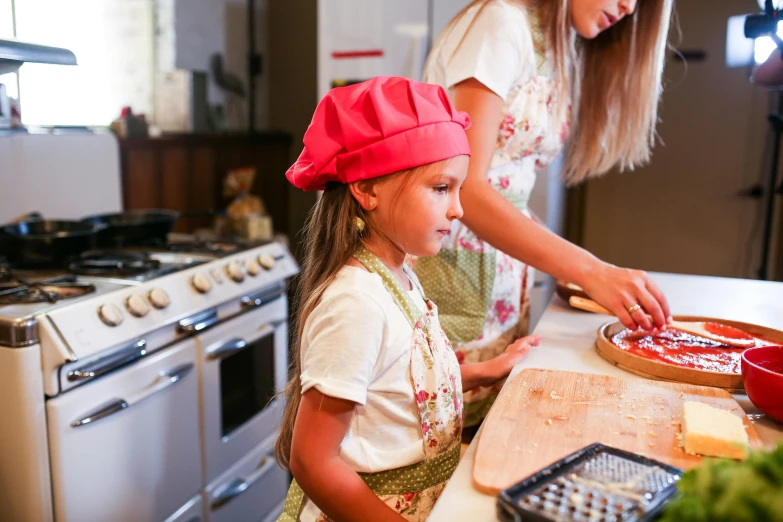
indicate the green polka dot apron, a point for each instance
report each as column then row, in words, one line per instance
column 413, row 490
column 483, row 293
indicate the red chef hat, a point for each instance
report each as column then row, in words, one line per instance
column 378, row 127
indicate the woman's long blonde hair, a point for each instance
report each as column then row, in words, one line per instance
column 614, row 82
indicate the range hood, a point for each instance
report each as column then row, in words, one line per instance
column 14, row 53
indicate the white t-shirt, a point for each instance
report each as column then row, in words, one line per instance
column 356, row 346
column 492, row 44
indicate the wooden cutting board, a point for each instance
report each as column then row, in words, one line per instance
column 544, row 415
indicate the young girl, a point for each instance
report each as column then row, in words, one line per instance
column 373, row 419
column 529, row 73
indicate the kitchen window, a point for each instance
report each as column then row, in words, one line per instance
column 113, row 41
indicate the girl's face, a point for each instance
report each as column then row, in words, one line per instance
column 590, row 17
column 416, row 211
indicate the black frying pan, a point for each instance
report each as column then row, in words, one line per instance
column 47, row 243
column 134, row 227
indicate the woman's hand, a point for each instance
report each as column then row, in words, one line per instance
column 621, row 289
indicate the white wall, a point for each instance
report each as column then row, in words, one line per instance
column 61, row 176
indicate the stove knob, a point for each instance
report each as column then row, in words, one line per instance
column 137, row 306
column 267, row 261
column 234, row 271
column 252, row 267
column 159, row 298
column 110, row 315
column 216, row 276
column 201, row 283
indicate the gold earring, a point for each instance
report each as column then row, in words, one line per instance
column 359, row 224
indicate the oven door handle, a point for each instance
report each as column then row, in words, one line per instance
column 264, row 297
column 198, row 322
column 107, row 409
column 228, row 492
column 228, row 348
column 237, row 344
column 163, row 381
column 125, row 356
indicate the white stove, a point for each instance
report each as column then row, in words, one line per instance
column 148, row 392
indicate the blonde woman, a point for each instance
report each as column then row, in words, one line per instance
column 529, row 74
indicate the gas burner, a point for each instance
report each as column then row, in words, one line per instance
column 201, row 245
column 120, row 264
column 15, row 290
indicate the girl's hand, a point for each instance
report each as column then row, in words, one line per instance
column 514, row 353
column 621, row 289
column 487, row 373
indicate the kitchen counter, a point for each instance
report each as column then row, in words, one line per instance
column 569, row 344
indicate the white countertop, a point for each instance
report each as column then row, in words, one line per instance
column 569, row 344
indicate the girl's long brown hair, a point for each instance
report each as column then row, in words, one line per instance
column 613, row 82
column 330, row 239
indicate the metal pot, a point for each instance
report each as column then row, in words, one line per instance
column 134, row 227
column 47, row 243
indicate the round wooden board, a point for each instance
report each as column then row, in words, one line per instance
column 668, row 372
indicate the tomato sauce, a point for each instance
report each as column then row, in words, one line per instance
column 729, row 332
column 686, row 350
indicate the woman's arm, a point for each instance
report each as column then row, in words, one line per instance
column 321, row 425
column 495, row 220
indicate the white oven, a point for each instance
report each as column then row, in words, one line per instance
column 125, row 447
column 158, row 399
column 243, row 365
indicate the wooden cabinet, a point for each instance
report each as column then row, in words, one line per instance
column 186, row 172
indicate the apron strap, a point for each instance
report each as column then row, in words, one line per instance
column 406, row 305
column 415, row 281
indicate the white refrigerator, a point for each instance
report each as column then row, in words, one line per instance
column 360, row 39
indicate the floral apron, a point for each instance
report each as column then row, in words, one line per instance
column 483, row 293
column 413, row 490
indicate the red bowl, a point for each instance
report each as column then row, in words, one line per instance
column 762, row 375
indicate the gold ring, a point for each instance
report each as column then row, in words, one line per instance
column 634, row 308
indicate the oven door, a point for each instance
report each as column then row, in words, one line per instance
column 252, row 490
column 125, row 447
column 244, row 364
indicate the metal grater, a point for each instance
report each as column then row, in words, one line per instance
column 596, row 484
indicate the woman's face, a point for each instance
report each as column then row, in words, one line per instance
column 590, row 17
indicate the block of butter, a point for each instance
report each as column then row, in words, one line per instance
column 712, row 432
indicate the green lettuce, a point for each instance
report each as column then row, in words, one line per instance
column 722, row 490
